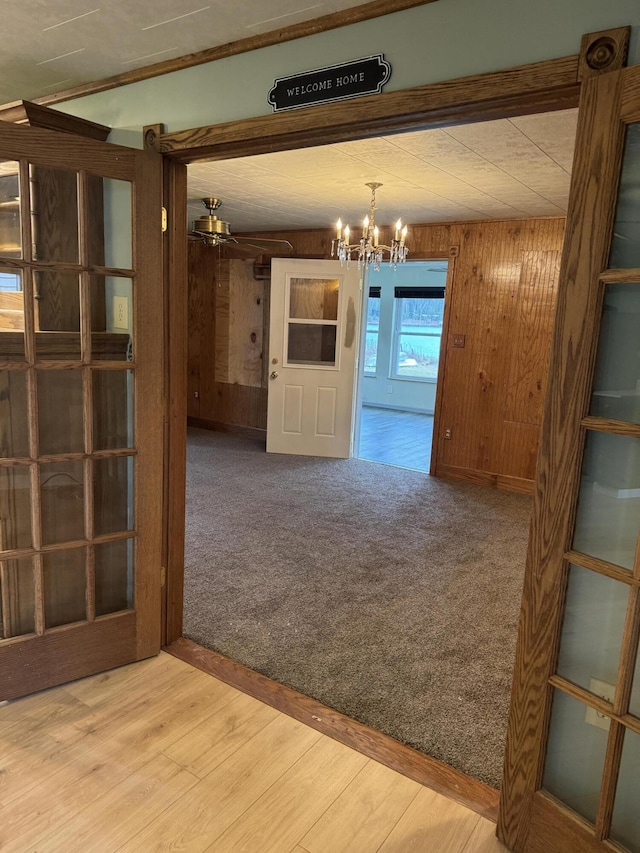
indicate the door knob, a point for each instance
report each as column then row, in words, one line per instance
column 274, row 374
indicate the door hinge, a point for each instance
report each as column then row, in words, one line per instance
column 163, row 576
column 164, row 219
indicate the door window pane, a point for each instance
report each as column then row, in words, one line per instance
column 64, row 574
column 57, row 316
column 311, row 345
column 625, row 825
column 113, row 495
column 14, row 431
column 625, row 244
column 575, row 756
column 54, row 214
column 17, row 602
column 616, row 386
column 591, row 639
column 114, row 576
column 111, row 318
column 62, row 502
column 11, row 316
column 609, row 500
column 110, row 222
column 112, row 409
column 15, row 508
column 10, row 229
column 60, row 415
column 314, row 298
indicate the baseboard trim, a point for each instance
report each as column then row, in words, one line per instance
column 416, row 765
column 233, row 429
column 486, row 478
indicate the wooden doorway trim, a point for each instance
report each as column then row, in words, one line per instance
column 538, row 87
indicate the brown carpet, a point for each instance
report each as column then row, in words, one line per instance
column 386, row 594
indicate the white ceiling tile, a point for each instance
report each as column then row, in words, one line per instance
column 482, row 171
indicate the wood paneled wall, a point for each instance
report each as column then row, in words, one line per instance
column 502, row 300
column 228, row 310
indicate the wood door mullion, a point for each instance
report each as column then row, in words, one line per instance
column 609, row 780
column 628, row 654
column 38, row 585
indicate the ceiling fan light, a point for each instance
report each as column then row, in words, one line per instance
column 212, row 225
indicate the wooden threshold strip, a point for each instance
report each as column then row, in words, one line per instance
column 415, row 765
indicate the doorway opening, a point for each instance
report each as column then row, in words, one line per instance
column 288, row 527
column 403, row 317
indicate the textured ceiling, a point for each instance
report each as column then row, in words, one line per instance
column 51, row 46
column 506, row 169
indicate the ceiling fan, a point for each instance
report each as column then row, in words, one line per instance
column 216, row 232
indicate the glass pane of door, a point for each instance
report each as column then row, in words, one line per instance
column 10, row 225
column 64, row 578
column 616, row 386
column 609, row 502
column 12, row 346
column 14, row 421
column 54, row 214
column 314, row 298
column 625, row 825
column 17, row 599
column 625, row 243
column 110, row 222
column 312, row 322
column 575, row 756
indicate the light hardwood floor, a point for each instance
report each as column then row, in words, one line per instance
column 161, row 756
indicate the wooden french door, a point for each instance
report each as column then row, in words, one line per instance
column 572, row 769
column 80, row 407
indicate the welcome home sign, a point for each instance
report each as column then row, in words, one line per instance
column 335, row 83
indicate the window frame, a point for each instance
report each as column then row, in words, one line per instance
column 401, row 293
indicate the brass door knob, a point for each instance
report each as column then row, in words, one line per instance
column 274, row 374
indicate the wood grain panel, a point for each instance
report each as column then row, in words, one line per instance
column 238, row 324
column 556, row 828
column 226, row 376
column 529, row 363
column 502, row 299
column 65, row 654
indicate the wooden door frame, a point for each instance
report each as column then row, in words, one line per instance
column 534, row 88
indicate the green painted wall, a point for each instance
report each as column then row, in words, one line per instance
column 439, row 41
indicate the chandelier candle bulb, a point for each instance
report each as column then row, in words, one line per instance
column 339, row 229
column 369, row 250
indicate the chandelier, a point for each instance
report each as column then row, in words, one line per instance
column 368, row 250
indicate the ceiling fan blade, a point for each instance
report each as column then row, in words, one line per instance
column 265, row 242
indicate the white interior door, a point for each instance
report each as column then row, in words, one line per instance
column 313, row 339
